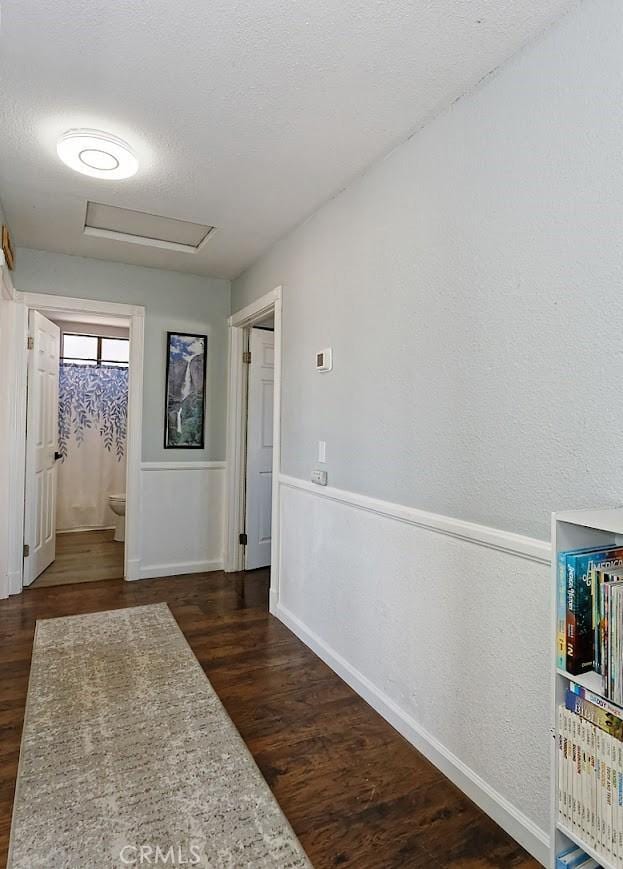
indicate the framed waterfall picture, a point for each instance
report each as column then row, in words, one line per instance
column 185, row 390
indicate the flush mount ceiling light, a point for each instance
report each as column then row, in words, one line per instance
column 97, row 154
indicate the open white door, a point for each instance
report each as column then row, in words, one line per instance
column 260, row 448
column 41, row 446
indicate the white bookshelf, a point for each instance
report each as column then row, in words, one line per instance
column 573, row 529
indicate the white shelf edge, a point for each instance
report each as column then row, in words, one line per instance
column 603, row 862
column 609, row 519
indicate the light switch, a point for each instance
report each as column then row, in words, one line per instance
column 322, row 451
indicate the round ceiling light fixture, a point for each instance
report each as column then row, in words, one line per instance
column 97, row 154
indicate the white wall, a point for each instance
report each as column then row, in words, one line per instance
column 470, row 286
column 182, row 507
column 173, row 301
column 183, row 517
column 467, row 285
column 422, row 616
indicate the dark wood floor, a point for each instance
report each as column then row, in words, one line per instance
column 355, row 792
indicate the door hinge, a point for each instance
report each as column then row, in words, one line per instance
column 26, row 550
column 246, row 357
column 30, row 343
column 243, row 539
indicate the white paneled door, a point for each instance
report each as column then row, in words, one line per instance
column 260, row 448
column 41, row 446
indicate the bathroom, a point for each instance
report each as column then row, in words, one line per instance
column 90, row 466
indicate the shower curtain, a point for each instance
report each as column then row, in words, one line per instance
column 92, row 421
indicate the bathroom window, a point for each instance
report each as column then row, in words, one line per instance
column 94, row 350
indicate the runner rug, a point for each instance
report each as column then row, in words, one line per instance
column 128, row 757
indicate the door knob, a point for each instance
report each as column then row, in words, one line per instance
column 57, row 455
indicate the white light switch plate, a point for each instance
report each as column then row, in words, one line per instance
column 322, row 451
column 319, row 477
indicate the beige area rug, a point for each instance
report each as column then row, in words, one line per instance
column 128, row 757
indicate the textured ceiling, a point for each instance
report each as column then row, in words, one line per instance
column 245, row 115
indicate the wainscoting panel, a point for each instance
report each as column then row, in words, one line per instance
column 182, row 517
column 442, row 626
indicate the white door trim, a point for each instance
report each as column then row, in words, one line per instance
column 41, row 447
column 238, row 322
column 52, row 304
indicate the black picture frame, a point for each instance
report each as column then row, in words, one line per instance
column 185, row 432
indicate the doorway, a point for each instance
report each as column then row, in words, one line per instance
column 76, row 448
column 98, row 346
column 253, row 441
column 258, row 471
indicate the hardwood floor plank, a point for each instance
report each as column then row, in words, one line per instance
column 356, row 793
column 83, row 556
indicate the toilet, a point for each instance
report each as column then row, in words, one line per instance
column 117, row 505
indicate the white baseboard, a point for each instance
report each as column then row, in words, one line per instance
column 85, row 528
column 521, row 828
column 273, row 603
column 151, row 571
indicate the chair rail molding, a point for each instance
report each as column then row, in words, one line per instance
column 483, row 535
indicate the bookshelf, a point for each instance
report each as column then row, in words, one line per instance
column 572, row 530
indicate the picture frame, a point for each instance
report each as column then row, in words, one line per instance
column 185, row 391
column 7, row 247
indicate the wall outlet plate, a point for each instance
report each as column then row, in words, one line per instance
column 319, row 477
column 324, row 360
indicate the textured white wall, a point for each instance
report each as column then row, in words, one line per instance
column 440, row 634
column 173, row 301
column 470, row 286
column 182, row 517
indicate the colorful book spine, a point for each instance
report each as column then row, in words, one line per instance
column 596, row 715
column 579, row 630
column 596, row 700
column 561, row 612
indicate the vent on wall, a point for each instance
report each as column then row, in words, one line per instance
column 137, row 227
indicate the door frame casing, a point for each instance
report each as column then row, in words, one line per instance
column 257, row 550
column 236, row 423
column 59, row 305
column 36, row 420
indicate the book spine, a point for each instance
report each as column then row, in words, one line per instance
column 596, row 700
column 561, row 612
column 567, row 770
column 593, row 793
column 571, row 662
column 602, row 793
column 595, row 588
column 579, row 626
column 597, row 715
column 620, row 799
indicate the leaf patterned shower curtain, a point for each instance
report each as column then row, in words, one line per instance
column 92, row 429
